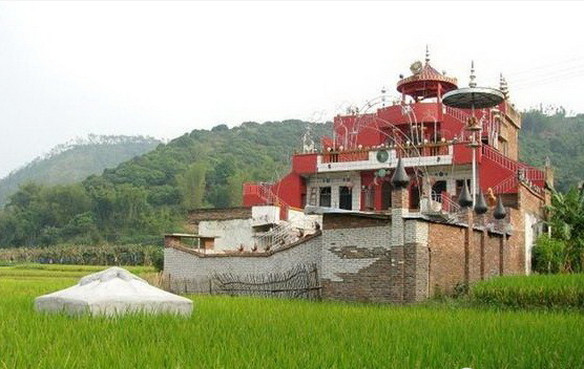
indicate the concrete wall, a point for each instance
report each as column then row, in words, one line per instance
column 300, row 220
column 230, row 233
column 265, row 215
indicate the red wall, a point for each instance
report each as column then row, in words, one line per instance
column 304, row 163
column 290, row 189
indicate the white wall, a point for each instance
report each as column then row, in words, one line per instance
column 265, row 215
column 230, row 233
column 530, row 235
column 335, row 181
column 300, row 220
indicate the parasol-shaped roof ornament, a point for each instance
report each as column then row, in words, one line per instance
column 473, row 97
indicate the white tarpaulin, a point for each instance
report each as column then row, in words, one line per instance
column 111, row 292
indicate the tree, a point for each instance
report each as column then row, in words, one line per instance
column 191, row 185
column 566, row 219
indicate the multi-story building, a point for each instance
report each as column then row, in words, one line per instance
column 384, row 238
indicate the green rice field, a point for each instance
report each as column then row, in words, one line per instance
column 233, row 332
column 563, row 291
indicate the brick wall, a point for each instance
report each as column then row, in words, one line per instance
column 344, row 220
column 361, row 260
column 519, row 246
column 446, row 257
column 181, row 264
column 416, row 260
column 491, row 251
column 356, row 262
column 373, row 258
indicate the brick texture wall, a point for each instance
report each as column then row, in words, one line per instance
column 365, row 263
column 356, row 262
column 371, row 258
column 182, row 265
column 446, row 257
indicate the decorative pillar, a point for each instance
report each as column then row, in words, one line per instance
column 399, row 201
column 499, row 214
column 480, row 209
column 465, row 201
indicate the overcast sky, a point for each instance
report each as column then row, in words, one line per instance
column 68, row 69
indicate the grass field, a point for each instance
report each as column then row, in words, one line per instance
column 229, row 332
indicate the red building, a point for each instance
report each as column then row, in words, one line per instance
column 378, row 243
column 352, row 169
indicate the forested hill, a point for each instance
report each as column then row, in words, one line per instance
column 74, row 161
column 558, row 137
column 146, row 196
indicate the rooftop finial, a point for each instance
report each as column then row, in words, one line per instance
column 504, row 87
column 472, row 82
column 427, row 55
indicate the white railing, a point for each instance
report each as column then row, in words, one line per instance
column 279, row 236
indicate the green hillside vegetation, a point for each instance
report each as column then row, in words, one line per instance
column 146, row 196
column 70, row 163
column 558, row 137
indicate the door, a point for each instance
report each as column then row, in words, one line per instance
column 385, row 195
column 345, row 198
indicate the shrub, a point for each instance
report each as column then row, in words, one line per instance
column 549, row 255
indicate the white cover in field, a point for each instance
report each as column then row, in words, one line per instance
column 113, row 291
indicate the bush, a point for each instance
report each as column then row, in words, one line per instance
column 158, row 259
column 86, row 255
column 549, row 255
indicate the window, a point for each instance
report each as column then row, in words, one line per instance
column 325, row 197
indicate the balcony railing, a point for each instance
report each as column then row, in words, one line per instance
column 344, row 156
column 405, row 151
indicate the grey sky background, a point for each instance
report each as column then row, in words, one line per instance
column 68, row 69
